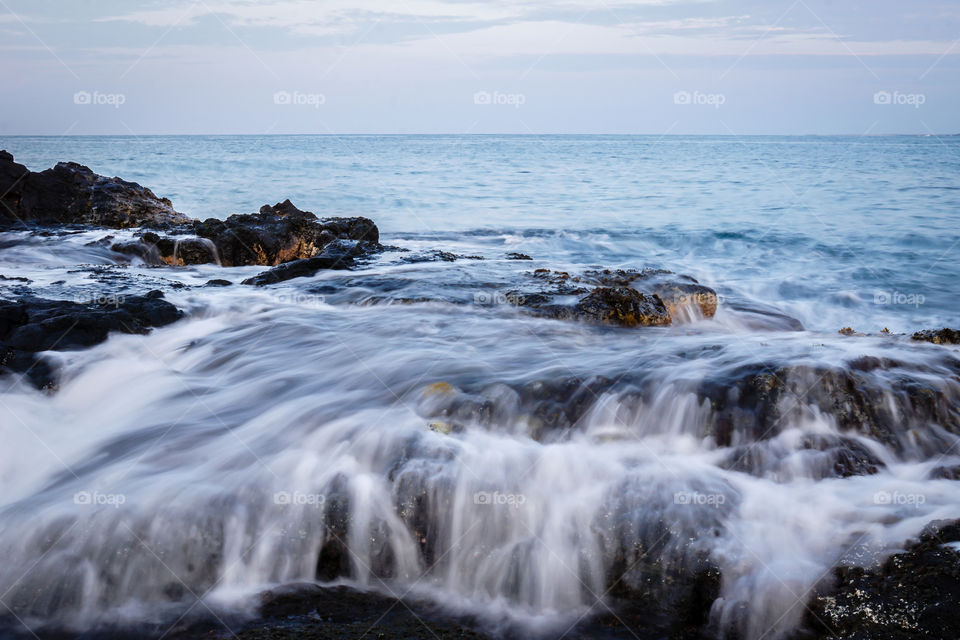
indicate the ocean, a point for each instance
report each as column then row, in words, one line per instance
column 409, row 424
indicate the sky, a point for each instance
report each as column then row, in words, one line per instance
column 659, row 67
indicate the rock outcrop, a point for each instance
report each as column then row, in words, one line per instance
column 71, row 193
column 32, row 325
column 278, row 234
column 281, row 233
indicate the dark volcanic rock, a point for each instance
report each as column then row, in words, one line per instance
column 436, row 255
column 756, row 402
column 281, row 233
column 745, row 408
column 72, row 193
column 32, row 325
column 518, row 256
column 624, row 307
column 942, row 336
column 913, row 594
column 276, row 235
column 620, row 297
column 298, row 269
column 338, row 254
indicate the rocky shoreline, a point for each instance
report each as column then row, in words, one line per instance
column 906, row 595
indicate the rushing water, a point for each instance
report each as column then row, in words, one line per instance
column 280, row 428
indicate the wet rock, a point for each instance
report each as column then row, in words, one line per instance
column 72, row 193
column 32, row 325
column 824, row 456
column 338, row 254
column 681, row 294
column 156, row 250
column 941, row 336
column 281, row 233
column 146, row 252
column 437, row 255
column 518, row 256
column 912, row 594
column 542, row 409
column 945, row 473
column 624, row 307
column 619, row 297
column 217, row 282
column 193, row 251
column 911, row 409
column 756, row 402
column 313, row 612
column 277, row 234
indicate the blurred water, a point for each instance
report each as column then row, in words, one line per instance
column 217, row 456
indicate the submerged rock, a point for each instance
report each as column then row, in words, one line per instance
column 32, row 325
column 72, row 193
column 941, row 336
column 748, row 409
column 437, row 255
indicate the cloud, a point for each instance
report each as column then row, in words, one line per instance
column 309, row 16
column 675, row 38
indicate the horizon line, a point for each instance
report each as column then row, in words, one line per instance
column 518, row 135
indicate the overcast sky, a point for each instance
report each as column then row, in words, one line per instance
column 472, row 66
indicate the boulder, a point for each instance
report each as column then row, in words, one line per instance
column 623, row 307
column 71, row 193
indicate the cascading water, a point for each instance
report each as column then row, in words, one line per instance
column 433, row 449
